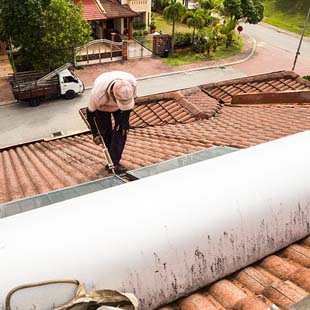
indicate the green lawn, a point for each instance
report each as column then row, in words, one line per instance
column 187, row 57
column 166, row 27
column 285, row 15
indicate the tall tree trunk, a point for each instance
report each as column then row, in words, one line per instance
column 172, row 38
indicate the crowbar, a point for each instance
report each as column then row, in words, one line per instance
column 105, row 151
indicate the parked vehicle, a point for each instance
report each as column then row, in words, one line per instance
column 33, row 87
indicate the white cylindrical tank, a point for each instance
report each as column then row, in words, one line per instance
column 167, row 235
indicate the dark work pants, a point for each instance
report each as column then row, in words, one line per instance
column 114, row 140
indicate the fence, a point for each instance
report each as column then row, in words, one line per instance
column 98, row 51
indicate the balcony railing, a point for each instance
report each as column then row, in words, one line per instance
column 138, row 4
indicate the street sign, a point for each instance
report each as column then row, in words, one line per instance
column 239, row 28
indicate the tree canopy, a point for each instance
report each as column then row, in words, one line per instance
column 64, row 29
column 196, row 19
column 250, row 10
column 46, row 31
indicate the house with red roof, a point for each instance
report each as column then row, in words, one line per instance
column 107, row 16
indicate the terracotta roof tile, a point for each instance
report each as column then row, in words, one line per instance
column 44, row 166
column 250, row 303
column 283, row 294
column 91, row 10
column 298, row 254
column 226, row 293
column 278, row 81
column 254, row 287
column 253, row 280
column 114, row 9
column 196, row 302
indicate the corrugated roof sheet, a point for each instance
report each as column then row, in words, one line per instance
column 91, row 10
column 170, row 125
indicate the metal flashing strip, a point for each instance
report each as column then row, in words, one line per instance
column 181, row 161
column 304, row 304
column 30, row 203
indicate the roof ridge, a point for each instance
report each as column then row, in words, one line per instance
column 100, row 6
column 40, row 140
column 255, row 78
column 280, row 97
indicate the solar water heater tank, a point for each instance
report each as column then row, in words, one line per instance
column 167, row 235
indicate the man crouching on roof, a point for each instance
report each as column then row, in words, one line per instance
column 113, row 94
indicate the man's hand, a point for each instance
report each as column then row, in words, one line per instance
column 123, row 125
column 97, row 140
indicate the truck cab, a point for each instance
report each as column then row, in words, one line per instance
column 70, row 84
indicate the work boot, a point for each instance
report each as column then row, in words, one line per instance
column 119, row 169
column 108, row 168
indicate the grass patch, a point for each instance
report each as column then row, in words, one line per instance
column 188, row 57
column 166, row 26
column 290, row 19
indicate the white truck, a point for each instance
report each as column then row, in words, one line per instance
column 33, row 87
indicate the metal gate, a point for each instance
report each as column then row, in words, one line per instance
column 140, row 47
column 98, row 51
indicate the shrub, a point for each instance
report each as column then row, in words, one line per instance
column 307, row 77
column 200, row 44
column 182, row 40
column 145, row 32
column 139, row 26
column 152, row 25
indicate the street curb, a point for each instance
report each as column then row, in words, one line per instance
column 199, row 69
column 207, row 67
column 6, row 103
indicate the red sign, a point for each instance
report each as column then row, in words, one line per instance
column 239, row 28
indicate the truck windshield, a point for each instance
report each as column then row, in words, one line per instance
column 69, row 79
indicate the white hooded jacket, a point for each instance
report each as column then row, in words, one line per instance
column 100, row 98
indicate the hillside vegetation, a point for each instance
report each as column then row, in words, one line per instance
column 287, row 14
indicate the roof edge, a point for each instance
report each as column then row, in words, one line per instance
column 13, row 146
column 259, row 77
column 284, row 97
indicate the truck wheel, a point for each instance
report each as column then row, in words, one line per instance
column 34, row 102
column 69, row 94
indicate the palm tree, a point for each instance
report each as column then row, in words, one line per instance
column 214, row 38
column 196, row 19
column 174, row 10
column 212, row 5
column 228, row 29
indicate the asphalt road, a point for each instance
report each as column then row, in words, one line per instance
column 280, row 39
column 276, row 50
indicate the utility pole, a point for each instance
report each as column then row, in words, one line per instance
column 301, row 38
